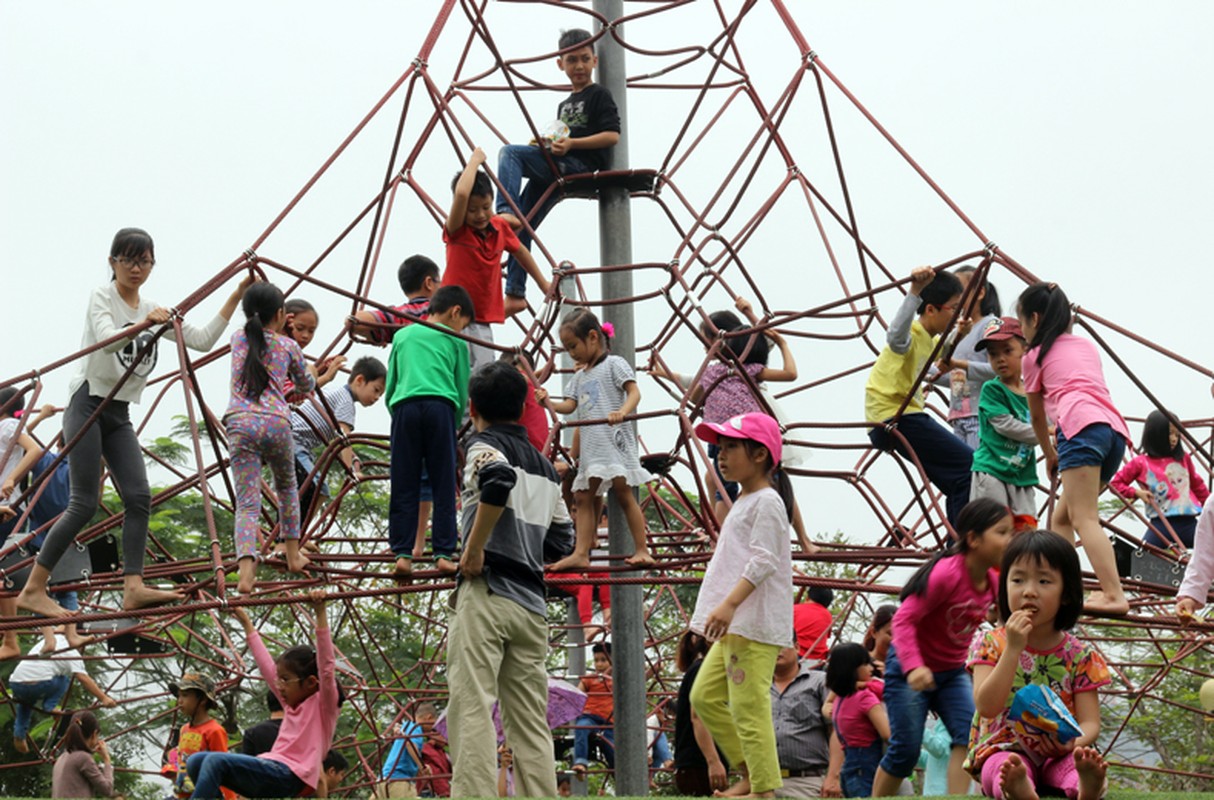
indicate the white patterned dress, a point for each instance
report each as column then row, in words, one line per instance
column 607, row 451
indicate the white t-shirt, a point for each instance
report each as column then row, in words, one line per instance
column 754, row 545
column 8, row 431
column 107, row 315
column 61, row 662
column 340, row 399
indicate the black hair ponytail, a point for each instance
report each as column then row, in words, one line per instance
column 783, row 487
column 79, row 730
column 1049, row 302
column 977, row 516
column 260, row 304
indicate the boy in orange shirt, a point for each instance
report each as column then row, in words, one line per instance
column 195, row 697
column 598, row 711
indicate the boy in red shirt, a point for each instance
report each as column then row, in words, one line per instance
column 195, row 697
column 476, row 240
column 598, row 711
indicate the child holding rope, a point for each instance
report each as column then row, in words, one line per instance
column 113, row 308
column 1065, row 383
column 258, row 425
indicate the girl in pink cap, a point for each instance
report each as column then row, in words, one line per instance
column 745, row 602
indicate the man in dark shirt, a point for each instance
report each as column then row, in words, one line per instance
column 261, row 737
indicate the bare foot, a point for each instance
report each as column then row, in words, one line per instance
column 297, row 563
column 40, row 603
column 580, row 771
column 8, row 651
column 20, row 745
column 739, row 789
column 247, row 570
column 77, row 640
column 446, row 566
column 511, row 220
column 515, row 304
column 1091, row 768
column 404, row 568
column 1014, row 780
column 642, row 559
column 577, row 560
column 1101, row 603
column 146, row 597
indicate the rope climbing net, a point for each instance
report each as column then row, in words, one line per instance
column 734, row 171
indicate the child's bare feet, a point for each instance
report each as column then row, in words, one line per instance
column 75, row 639
column 578, row 559
column 404, row 568
column 1014, row 780
column 8, row 651
column 297, row 562
column 445, row 566
column 21, row 745
column 134, row 598
column 247, row 574
column 511, row 220
column 40, row 603
column 1101, row 603
column 739, row 789
column 641, row 558
column 1092, row 770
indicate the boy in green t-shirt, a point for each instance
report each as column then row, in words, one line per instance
column 1005, row 463
column 427, row 389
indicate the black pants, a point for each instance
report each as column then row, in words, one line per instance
column 423, row 435
column 113, row 437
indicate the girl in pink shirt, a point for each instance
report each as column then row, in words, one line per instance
column 304, row 681
column 1171, row 487
column 942, row 606
column 859, row 716
column 1065, row 383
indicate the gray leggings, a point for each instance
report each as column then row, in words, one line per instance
column 113, row 437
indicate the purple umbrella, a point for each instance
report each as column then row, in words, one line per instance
column 565, row 704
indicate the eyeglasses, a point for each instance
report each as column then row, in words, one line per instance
column 145, row 263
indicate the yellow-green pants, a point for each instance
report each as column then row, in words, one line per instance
column 732, row 696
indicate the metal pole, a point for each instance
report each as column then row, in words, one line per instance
column 627, row 615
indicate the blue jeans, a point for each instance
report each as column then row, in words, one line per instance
column 43, row 695
column 945, row 458
column 423, row 440
column 581, row 739
column 859, row 768
column 1097, row 445
column 248, row 776
column 515, row 162
column 661, row 751
column 952, row 700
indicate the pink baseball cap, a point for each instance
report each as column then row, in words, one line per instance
column 755, row 426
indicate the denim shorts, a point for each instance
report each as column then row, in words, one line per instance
column 1097, row 445
column 952, row 700
column 859, row 769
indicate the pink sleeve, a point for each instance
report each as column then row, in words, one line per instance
column 1197, row 484
column 1200, row 572
column 1030, row 374
column 910, row 614
column 1123, row 481
column 265, row 663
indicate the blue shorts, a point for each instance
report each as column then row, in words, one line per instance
column 952, row 700
column 1097, row 445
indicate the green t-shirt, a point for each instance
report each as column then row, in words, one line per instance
column 1010, row 461
column 425, row 362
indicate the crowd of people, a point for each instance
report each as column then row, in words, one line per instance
column 767, row 695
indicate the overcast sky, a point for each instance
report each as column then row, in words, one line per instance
column 1076, row 135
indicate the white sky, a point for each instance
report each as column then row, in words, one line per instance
column 1075, row 135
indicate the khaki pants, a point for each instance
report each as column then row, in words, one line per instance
column 496, row 650
column 392, row 789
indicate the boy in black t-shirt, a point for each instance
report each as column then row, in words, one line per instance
column 594, row 127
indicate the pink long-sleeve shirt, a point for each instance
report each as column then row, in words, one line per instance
column 1178, row 488
column 1200, row 572
column 934, row 629
column 307, row 729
